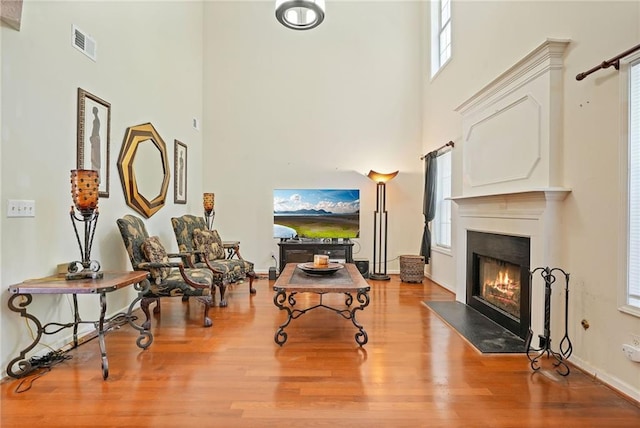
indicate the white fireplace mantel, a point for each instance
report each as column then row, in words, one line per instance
column 559, row 193
column 534, row 213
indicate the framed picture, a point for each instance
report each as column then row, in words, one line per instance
column 94, row 130
column 180, row 174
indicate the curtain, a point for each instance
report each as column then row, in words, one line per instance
column 429, row 201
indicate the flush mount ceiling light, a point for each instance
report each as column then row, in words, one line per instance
column 300, row 14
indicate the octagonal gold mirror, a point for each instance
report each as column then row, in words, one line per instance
column 144, row 169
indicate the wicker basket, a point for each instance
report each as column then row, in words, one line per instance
column 411, row 268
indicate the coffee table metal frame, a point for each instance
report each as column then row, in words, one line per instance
column 286, row 289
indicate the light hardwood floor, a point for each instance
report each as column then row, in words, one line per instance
column 414, row 372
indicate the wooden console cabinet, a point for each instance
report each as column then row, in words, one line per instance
column 303, row 251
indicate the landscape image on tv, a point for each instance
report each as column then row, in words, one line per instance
column 316, row 213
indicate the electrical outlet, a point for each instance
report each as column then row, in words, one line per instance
column 631, row 352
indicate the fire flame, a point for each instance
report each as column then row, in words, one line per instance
column 503, row 278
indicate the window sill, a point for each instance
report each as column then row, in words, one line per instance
column 631, row 310
column 442, row 250
column 437, row 73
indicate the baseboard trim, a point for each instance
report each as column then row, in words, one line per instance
column 623, row 389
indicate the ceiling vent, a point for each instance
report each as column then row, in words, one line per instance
column 84, row 43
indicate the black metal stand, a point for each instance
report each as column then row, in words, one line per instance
column 208, row 217
column 23, row 365
column 566, row 347
column 380, row 235
column 90, row 268
column 280, row 299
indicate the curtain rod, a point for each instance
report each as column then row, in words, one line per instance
column 450, row 143
column 615, row 61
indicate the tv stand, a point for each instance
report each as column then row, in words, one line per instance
column 303, row 251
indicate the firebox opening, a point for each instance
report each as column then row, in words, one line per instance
column 498, row 283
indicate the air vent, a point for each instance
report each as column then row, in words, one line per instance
column 84, row 43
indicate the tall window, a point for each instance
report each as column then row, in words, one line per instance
column 442, row 220
column 440, row 34
column 633, row 118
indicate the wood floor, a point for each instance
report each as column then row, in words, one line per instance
column 414, row 372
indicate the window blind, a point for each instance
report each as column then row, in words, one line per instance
column 445, row 31
column 633, row 296
column 442, row 225
column 440, row 34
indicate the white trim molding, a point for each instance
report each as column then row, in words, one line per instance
column 512, row 128
column 536, row 214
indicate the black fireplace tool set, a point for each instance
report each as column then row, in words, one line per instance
column 565, row 347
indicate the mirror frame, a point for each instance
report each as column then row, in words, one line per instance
column 133, row 136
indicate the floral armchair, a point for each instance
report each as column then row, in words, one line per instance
column 168, row 279
column 208, row 250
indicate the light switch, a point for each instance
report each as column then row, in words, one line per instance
column 21, row 208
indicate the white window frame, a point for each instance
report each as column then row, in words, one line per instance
column 442, row 221
column 440, row 34
column 624, row 294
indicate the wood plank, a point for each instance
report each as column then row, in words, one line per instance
column 415, row 371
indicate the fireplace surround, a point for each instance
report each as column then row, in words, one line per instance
column 510, row 161
column 498, row 282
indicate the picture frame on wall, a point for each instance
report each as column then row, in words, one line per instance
column 180, row 175
column 93, row 137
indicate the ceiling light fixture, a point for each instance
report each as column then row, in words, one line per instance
column 300, row 14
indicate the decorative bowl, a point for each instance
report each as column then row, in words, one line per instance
column 311, row 269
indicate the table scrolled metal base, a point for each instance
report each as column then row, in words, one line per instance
column 292, row 282
column 23, row 296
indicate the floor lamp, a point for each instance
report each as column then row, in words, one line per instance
column 380, row 226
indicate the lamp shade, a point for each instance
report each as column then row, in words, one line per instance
column 380, row 177
column 84, row 189
column 300, row 14
column 208, row 201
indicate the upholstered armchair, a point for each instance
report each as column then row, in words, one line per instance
column 168, row 279
column 208, row 250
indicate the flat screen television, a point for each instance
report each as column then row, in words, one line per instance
column 316, row 213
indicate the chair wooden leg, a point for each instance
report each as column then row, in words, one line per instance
column 207, row 305
column 207, row 301
column 223, row 300
column 251, row 276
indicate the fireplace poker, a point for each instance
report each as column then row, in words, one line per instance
column 561, row 367
column 566, row 348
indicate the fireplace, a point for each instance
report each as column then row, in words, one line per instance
column 498, row 279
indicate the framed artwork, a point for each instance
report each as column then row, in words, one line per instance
column 94, row 130
column 180, row 174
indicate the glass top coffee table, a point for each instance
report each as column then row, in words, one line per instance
column 347, row 281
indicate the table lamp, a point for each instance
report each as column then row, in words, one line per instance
column 208, row 201
column 84, row 192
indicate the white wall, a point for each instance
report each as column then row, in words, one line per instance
column 488, row 38
column 319, row 108
column 150, row 69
